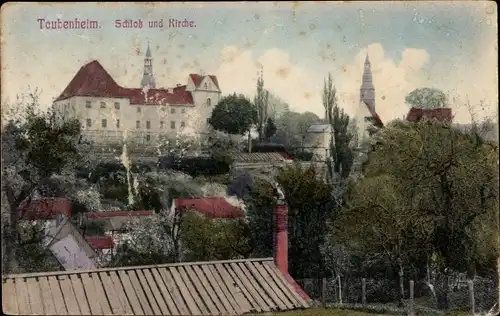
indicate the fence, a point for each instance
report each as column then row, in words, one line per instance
column 478, row 295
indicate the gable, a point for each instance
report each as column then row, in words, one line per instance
column 232, row 287
column 198, row 81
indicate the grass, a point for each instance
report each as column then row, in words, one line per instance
column 323, row 312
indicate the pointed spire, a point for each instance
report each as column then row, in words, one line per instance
column 367, row 59
column 148, row 52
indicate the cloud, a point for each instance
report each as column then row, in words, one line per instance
column 239, row 69
column 301, row 88
column 392, row 81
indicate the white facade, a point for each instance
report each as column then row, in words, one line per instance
column 319, row 137
column 363, row 122
column 107, row 119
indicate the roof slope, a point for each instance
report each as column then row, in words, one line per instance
column 92, row 80
column 211, row 207
column 231, row 287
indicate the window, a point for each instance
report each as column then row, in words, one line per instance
column 137, row 124
column 88, row 104
column 183, row 111
column 209, row 102
column 138, row 110
column 104, row 123
column 117, row 123
column 183, row 124
column 206, row 85
column 148, row 124
column 103, row 104
column 117, row 105
column 172, row 110
column 89, row 122
column 148, row 138
column 172, row 125
column 162, row 124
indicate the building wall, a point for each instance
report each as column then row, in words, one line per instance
column 109, row 124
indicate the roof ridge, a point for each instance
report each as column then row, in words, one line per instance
column 164, row 265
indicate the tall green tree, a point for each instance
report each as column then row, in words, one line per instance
column 35, row 147
column 342, row 133
column 292, row 128
column 205, row 239
column 270, row 129
column 261, row 102
column 434, row 176
column 234, row 114
column 310, row 206
column 427, row 98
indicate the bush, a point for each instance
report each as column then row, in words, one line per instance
column 93, row 228
column 198, row 166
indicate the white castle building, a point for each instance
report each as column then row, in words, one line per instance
column 109, row 112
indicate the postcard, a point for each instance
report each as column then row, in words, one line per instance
column 119, row 120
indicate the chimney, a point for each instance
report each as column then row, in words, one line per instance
column 281, row 237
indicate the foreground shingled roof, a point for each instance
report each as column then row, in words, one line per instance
column 231, row 287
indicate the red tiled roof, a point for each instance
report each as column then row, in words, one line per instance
column 118, row 214
column 441, row 114
column 378, row 122
column 211, row 207
column 100, row 242
column 197, row 79
column 92, row 80
column 43, row 209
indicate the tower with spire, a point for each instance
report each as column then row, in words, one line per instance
column 147, row 77
column 367, row 90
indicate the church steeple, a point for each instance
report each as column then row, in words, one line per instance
column 367, row 90
column 147, row 77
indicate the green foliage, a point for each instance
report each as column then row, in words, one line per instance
column 301, row 155
column 292, row 128
column 151, row 242
column 49, row 147
column 127, row 255
column 343, row 131
column 270, row 129
column 427, row 98
column 261, row 102
column 429, row 193
column 260, row 216
column 310, row 207
column 234, row 114
column 206, row 239
column 157, row 189
column 217, row 164
column 93, row 228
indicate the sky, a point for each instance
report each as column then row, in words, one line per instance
column 451, row 46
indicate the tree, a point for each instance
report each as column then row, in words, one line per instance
column 34, row 148
column 151, row 242
column 342, row 132
column 379, row 222
column 261, row 102
column 205, row 239
column 234, row 114
column 292, row 128
column 270, row 129
column 427, row 98
column 443, row 180
column 310, row 207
